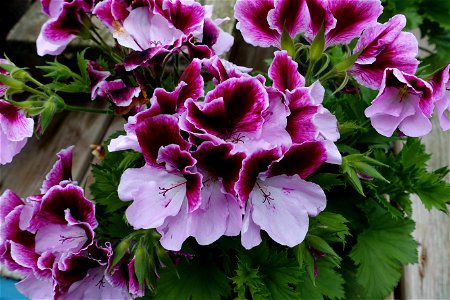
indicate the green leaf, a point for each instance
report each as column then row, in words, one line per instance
column 197, row 280
column 318, row 45
column 433, row 191
column 83, row 66
column 119, row 251
column 267, row 274
column 330, row 226
column 329, row 281
column 326, row 180
column 413, row 155
column 321, row 245
column 380, row 251
column 287, row 43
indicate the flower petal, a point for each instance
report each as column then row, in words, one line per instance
column 281, row 206
column 61, row 170
column 284, row 72
column 253, row 23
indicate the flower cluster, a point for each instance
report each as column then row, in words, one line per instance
column 232, row 163
column 49, row 239
column 384, row 57
column 152, row 28
column 213, row 150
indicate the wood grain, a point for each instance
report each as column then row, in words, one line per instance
column 430, row 278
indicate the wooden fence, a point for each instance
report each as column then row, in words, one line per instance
column 429, row 279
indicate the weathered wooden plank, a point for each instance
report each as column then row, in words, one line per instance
column 25, row 174
column 430, row 278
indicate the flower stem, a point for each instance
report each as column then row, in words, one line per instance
column 87, row 109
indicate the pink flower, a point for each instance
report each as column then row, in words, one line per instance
column 63, row 26
column 384, row 46
column 276, row 198
column 343, row 20
column 49, row 239
column 404, row 102
column 307, row 119
column 15, row 129
column 441, row 96
column 261, row 22
column 169, row 177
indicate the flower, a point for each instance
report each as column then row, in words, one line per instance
column 49, row 239
column 262, row 21
column 307, row 119
column 404, row 101
column 276, row 197
column 343, row 20
column 15, row 129
column 63, row 26
column 441, row 96
column 384, row 46
column 232, row 112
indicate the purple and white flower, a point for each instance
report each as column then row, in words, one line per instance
column 404, row 102
column 15, row 129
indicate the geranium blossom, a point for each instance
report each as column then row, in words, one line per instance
column 63, row 26
column 404, row 101
column 49, row 239
column 384, row 46
column 15, row 129
column 263, row 21
column 441, row 96
column 276, row 198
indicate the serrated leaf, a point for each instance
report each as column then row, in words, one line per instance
column 330, row 226
column 196, row 280
column 380, row 251
column 83, row 65
column 433, row 191
column 326, row 180
column 275, row 271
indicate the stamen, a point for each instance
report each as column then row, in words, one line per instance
column 238, row 138
column 64, row 239
column 163, row 190
column 101, row 283
column 265, row 195
column 403, row 92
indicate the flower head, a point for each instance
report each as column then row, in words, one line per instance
column 404, row 102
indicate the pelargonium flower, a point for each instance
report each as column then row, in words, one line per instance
column 232, row 112
column 307, row 120
column 343, row 20
column 276, row 197
column 97, row 75
column 441, row 96
column 190, row 86
column 63, row 26
column 3, row 87
column 15, row 129
column 384, row 46
column 167, row 181
column 118, row 92
column 49, row 239
column 404, row 101
column 84, row 275
column 219, row 212
column 262, row 21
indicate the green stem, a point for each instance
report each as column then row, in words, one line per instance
column 86, row 109
column 309, row 72
column 36, row 82
column 33, row 91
